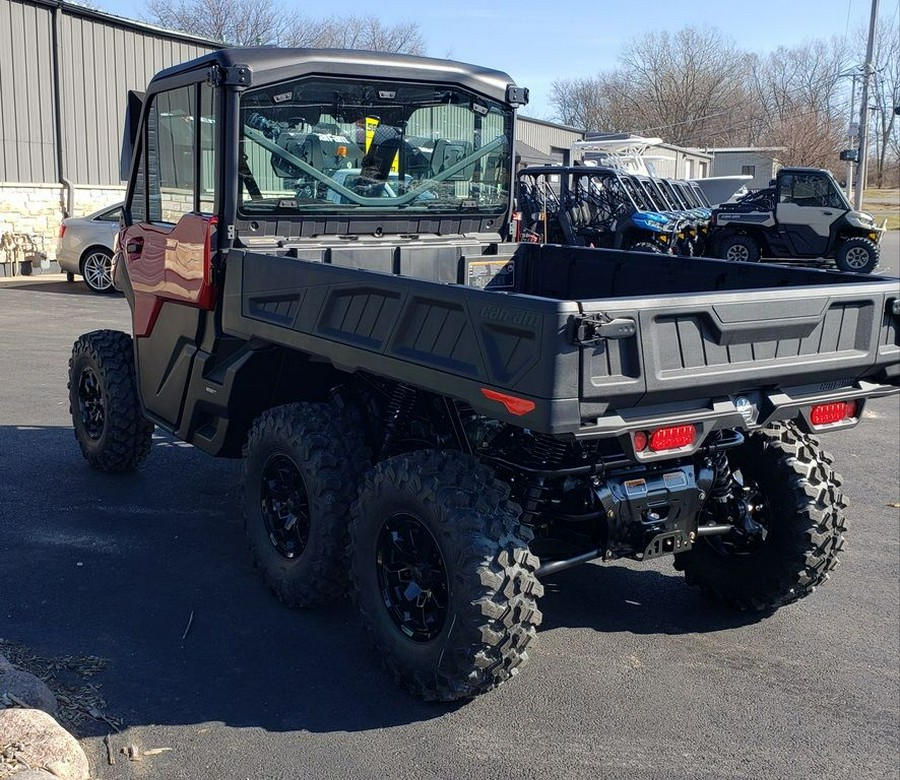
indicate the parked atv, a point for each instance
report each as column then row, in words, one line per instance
column 803, row 214
column 590, row 206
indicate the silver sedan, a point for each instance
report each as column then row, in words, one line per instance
column 85, row 247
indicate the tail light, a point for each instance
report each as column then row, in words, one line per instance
column 62, row 230
column 673, row 437
column 825, row 414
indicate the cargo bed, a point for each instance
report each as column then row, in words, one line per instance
column 686, row 333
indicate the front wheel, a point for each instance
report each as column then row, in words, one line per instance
column 740, row 248
column 794, row 494
column 857, row 255
column 442, row 575
column 110, row 427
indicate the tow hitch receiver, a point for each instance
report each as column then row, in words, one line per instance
column 655, row 513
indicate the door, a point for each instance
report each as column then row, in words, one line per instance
column 168, row 241
column 808, row 205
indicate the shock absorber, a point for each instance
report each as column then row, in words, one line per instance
column 398, row 408
column 722, row 487
column 546, row 453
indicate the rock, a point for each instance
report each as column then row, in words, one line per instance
column 33, row 774
column 4, row 664
column 27, row 688
column 45, row 744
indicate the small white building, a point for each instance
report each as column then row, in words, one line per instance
column 760, row 162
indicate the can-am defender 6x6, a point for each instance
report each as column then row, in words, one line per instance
column 433, row 417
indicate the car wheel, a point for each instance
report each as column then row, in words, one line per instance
column 302, row 464
column 442, row 575
column 96, row 268
column 740, row 248
column 857, row 255
column 110, row 427
column 795, row 496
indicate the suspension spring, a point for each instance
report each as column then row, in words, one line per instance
column 723, row 481
column 398, row 408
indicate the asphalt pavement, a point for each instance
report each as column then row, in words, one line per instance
column 634, row 675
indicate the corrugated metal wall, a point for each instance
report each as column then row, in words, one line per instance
column 544, row 136
column 99, row 64
column 27, row 133
column 100, row 60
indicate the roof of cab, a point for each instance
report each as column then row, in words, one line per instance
column 271, row 64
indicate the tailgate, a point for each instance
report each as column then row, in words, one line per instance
column 700, row 346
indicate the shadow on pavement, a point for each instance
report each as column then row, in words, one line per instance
column 612, row 598
column 115, row 566
column 58, row 286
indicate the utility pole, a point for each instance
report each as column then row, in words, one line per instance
column 868, row 69
column 849, row 186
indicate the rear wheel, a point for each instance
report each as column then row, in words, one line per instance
column 741, row 248
column 302, row 463
column 857, row 255
column 795, row 495
column 442, row 575
column 109, row 424
column 96, row 268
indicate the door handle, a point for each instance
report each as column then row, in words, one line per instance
column 828, row 213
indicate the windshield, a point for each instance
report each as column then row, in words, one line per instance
column 333, row 145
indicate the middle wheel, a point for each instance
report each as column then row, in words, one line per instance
column 442, row 574
column 302, row 464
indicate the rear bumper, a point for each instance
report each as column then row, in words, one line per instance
column 68, row 259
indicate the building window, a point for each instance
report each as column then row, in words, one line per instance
column 748, row 170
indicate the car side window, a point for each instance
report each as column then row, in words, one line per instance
column 170, row 160
column 113, row 215
column 206, row 195
column 786, row 189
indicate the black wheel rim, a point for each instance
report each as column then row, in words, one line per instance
column 413, row 577
column 285, row 506
column 90, row 403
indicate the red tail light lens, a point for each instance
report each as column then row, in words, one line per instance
column 640, row 441
column 62, row 230
column 516, row 406
column 672, row 438
column 823, row 414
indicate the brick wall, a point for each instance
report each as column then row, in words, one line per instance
column 37, row 210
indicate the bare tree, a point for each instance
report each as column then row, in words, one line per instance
column 686, row 86
column 355, row 32
column 260, row 22
column 885, row 96
column 579, row 103
column 800, row 95
column 236, row 22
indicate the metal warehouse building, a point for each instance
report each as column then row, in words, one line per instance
column 64, row 74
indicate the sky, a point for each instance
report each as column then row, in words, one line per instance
column 537, row 43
